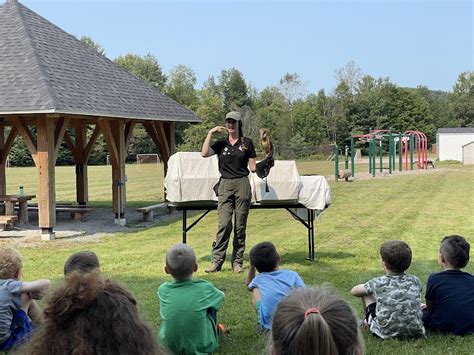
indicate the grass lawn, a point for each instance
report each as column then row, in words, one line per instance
column 419, row 209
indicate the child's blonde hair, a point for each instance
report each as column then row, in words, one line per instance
column 315, row 321
column 10, row 262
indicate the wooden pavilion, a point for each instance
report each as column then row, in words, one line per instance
column 51, row 84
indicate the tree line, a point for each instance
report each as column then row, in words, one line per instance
column 300, row 122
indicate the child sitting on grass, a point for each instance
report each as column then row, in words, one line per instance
column 450, row 293
column 315, row 321
column 89, row 315
column 82, row 261
column 271, row 285
column 17, row 306
column 188, row 308
column 392, row 302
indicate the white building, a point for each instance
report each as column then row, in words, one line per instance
column 451, row 141
column 468, row 153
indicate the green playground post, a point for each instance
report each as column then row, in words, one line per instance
column 352, row 157
column 336, row 161
column 380, row 155
column 370, row 157
column 412, row 146
column 390, row 152
column 373, row 157
column 400, row 160
column 346, row 157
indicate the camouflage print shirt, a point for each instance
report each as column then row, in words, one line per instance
column 398, row 306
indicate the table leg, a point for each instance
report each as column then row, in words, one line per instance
column 9, row 208
column 23, row 212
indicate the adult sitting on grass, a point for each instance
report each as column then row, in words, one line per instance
column 315, row 321
column 89, row 315
column 188, row 307
column 392, row 302
column 450, row 293
column 271, row 285
column 82, row 261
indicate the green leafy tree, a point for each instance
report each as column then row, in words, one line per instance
column 233, row 89
column 292, row 87
column 307, row 121
column 145, row 68
column 210, row 109
column 351, row 74
column 90, row 42
column 461, row 100
column 180, row 86
column 273, row 112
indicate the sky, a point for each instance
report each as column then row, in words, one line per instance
column 413, row 42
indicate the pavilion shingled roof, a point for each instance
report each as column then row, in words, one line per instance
column 43, row 69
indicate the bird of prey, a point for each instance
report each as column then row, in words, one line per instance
column 266, row 142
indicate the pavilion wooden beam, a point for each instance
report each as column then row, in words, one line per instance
column 24, row 131
column 45, row 162
column 162, row 135
column 8, row 144
column 61, row 125
column 114, row 135
column 5, row 147
column 90, row 144
column 128, row 132
column 72, row 147
column 105, row 127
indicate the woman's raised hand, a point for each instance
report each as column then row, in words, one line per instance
column 217, row 129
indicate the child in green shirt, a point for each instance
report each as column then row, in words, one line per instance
column 187, row 307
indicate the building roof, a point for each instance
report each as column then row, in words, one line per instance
column 46, row 70
column 456, row 130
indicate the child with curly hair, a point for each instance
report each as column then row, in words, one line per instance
column 89, row 315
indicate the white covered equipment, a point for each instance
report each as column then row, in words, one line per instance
column 283, row 182
column 191, row 177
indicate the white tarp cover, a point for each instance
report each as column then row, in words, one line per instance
column 283, row 182
column 315, row 192
column 191, row 177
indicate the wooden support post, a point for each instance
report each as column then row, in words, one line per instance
column 82, row 192
column 118, row 172
column 46, row 161
column 3, row 158
column 114, row 135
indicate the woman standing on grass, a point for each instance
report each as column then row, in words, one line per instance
column 236, row 155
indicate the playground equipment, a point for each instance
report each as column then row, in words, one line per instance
column 346, row 173
column 403, row 144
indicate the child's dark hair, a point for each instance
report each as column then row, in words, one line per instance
column 82, row 261
column 180, row 261
column 456, row 250
column 314, row 321
column 90, row 315
column 264, row 257
column 396, row 254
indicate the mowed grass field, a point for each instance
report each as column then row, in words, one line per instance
column 419, row 209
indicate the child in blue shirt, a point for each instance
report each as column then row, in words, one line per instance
column 271, row 285
column 17, row 305
column 450, row 293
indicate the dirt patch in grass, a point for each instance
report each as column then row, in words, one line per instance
column 96, row 225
